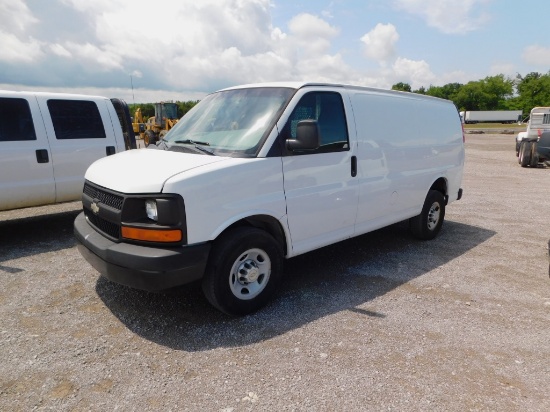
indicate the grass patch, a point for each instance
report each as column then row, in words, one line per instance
column 513, row 126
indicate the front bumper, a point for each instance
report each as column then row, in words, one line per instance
column 152, row 269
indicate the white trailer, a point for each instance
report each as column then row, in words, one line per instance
column 492, row 116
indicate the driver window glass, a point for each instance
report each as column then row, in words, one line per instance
column 327, row 109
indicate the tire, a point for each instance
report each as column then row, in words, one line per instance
column 149, row 138
column 428, row 223
column 525, row 154
column 244, row 270
column 534, row 156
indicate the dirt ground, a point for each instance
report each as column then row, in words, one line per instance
column 380, row 322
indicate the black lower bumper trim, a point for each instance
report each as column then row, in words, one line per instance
column 152, row 269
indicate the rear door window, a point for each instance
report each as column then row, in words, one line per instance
column 76, row 119
column 15, row 120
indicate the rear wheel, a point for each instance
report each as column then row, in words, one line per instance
column 534, row 155
column 244, row 271
column 525, row 154
column 428, row 223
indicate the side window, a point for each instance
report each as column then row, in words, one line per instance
column 76, row 119
column 328, row 109
column 15, row 120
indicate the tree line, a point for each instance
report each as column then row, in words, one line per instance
column 493, row 92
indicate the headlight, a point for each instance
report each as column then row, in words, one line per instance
column 151, row 209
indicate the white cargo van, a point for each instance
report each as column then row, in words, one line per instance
column 255, row 174
column 48, row 140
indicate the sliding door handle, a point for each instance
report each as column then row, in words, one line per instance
column 353, row 166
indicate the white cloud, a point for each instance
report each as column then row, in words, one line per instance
column 537, row 55
column 310, row 35
column 16, row 16
column 507, row 69
column 16, row 47
column 92, row 55
column 380, row 42
column 59, row 50
column 415, row 72
column 448, row 16
column 15, row 50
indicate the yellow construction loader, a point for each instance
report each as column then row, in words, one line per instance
column 155, row 127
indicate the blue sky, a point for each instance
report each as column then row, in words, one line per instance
column 181, row 50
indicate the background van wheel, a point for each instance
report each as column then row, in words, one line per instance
column 428, row 223
column 244, row 270
column 525, row 154
column 534, row 162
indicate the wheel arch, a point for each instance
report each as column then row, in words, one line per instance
column 441, row 186
column 265, row 222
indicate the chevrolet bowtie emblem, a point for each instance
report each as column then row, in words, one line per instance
column 95, row 207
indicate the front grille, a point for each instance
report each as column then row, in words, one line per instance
column 109, row 228
column 107, row 222
column 107, row 198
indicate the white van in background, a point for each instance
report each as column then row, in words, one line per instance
column 527, row 142
column 258, row 173
column 48, row 140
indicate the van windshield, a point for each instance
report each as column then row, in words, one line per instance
column 232, row 122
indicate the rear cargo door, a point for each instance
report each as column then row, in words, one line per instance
column 26, row 171
column 80, row 132
column 320, row 185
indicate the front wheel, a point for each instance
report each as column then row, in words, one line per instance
column 244, row 271
column 428, row 223
column 149, row 138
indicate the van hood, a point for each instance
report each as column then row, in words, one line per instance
column 144, row 170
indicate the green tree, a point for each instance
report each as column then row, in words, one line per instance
column 403, row 87
column 448, row 91
column 490, row 93
column 532, row 90
column 184, row 107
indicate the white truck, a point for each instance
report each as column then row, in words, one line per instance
column 491, row 116
column 533, row 145
column 258, row 173
column 48, row 140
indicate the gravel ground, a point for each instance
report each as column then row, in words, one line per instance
column 381, row 322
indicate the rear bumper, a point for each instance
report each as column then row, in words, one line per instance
column 148, row 268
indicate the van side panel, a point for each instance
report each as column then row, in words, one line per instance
column 405, row 143
column 23, row 180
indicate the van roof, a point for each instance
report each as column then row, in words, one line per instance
column 26, row 93
column 299, row 85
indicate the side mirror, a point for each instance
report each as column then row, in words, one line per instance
column 307, row 136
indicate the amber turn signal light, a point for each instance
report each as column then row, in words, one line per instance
column 151, row 235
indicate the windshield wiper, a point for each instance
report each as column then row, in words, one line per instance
column 189, row 141
column 197, row 145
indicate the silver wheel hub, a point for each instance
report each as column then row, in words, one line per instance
column 250, row 274
column 433, row 216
